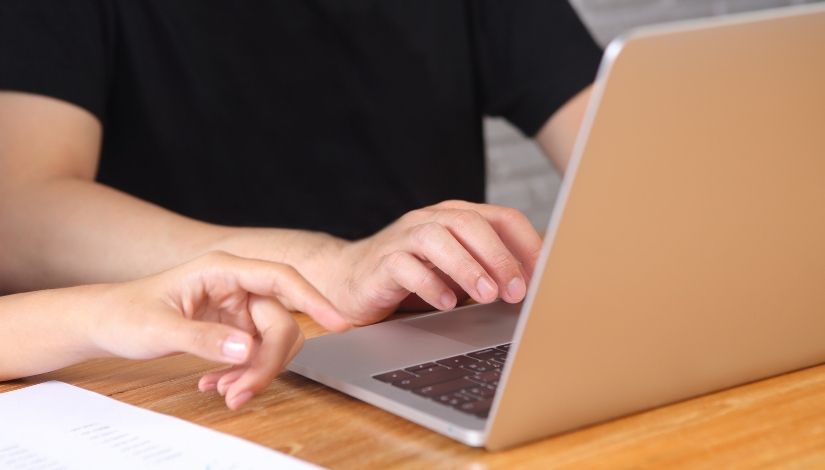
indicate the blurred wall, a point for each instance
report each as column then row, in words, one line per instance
column 519, row 176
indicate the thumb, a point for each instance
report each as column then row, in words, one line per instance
column 211, row 341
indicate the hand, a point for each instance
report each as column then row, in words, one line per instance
column 440, row 253
column 219, row 307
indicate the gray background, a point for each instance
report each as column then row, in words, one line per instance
column 519, row 175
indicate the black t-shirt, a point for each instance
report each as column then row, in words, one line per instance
column 320, row 114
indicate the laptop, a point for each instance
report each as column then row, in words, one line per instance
column 685, row 253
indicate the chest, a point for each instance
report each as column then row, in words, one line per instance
column 268, row 60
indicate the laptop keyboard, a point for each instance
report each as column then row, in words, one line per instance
column 467, row 382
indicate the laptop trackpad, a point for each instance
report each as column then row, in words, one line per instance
column 477, row 325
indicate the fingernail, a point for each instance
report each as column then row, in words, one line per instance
column 205, row 386
column 235, row 347
column 238, row 400
column 486, row 288
column 448, row 300
column 516, row 289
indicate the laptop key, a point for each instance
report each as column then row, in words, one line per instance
column 489, row 377
column 394, row 376
column 455, row 399
column 478, row 367
column 457, row 361
column 465, row 383
column 504, row 347
column 484, row 354
column 480, row 408
column 481, row 391
column 425, row 370
column 436, row 390
column 426, row 365
column 430, row 379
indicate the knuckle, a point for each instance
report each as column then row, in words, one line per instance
column 424, row 234
column 287, row 270
column 278, row 328
column 451, row 203
column 466, row 218
column 395, row 260
column 424, row 281
column 535, row 252
column 500, row 261
column 472, row 271
column 280, row 324
column 291, row 328
column 415, row 216
column 283, row 275
column 512, row 216
column 215, row 257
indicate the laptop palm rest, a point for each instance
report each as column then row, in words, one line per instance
column 359, row 353
column 348, row 361
column 479, row 325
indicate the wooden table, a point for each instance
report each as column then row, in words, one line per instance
column 775, row 422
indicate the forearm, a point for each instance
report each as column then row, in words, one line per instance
column 65, row 231
column 558, row 136
column 47, row 330
column 70, row 231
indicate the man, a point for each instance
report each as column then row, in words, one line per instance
column 137, row 135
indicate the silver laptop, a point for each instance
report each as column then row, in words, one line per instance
column 686, row 251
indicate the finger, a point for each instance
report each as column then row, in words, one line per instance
column 436, row 244
column 228, row 379
column 473, row 231
column 269, row 279
column 514, row 229
column 296, row 348
column 209, row 381
column 212, row 341
column 411, row 274
column 279, row 333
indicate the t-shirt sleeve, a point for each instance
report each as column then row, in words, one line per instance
column 55, row 48
column 532, row 57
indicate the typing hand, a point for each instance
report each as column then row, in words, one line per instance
column 442, row 254
column 219, row 307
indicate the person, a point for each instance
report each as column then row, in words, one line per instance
column 220, row 307
column 341, row 138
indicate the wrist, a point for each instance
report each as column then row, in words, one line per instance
column 320, row 261
column 50, row 329
column 94, row 308
column 316, row 255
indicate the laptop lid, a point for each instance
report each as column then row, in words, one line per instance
column 687, row 249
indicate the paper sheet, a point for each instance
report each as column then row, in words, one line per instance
column 58, row 426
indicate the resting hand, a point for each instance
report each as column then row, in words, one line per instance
column 442, row 254
column 221, row 308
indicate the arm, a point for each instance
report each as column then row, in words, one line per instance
column 558, row 135
column 220, row 307
column 58, row 227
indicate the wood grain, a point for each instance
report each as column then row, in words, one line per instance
column 775, row 422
